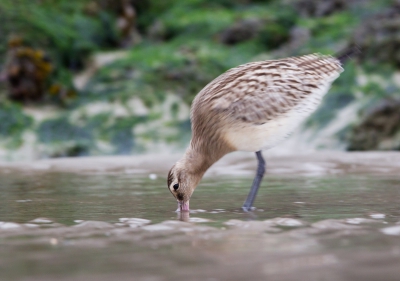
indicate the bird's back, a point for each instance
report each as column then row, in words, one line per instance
column 256, row 105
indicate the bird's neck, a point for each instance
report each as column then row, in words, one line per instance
column 197, row 162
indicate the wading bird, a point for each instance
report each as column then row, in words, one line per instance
column 252, row 107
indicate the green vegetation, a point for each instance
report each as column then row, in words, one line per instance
column 13, row 123
column 65, row 29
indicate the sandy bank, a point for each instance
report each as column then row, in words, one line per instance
column 241, row 164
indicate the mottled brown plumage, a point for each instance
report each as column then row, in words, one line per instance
column 250, row 108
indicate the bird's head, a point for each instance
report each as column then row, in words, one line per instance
column 181, row 183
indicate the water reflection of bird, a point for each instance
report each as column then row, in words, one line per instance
column 252, row 107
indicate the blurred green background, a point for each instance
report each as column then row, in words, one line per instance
column 84, row 77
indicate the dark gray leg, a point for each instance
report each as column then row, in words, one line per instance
column 256, row 183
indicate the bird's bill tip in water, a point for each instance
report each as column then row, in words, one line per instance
column 183, row 206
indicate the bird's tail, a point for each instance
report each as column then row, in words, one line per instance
column 348, row 53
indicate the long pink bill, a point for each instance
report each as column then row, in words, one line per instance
column 183, row 206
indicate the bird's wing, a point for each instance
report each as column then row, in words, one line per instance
column 258, row 92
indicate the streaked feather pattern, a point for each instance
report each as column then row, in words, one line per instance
column 260, row 92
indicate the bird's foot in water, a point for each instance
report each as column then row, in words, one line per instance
column 248, row 209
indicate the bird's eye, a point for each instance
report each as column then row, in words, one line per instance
column 176, row 186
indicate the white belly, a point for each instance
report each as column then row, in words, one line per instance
column 249, row 137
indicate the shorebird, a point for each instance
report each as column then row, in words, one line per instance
column 252, row 107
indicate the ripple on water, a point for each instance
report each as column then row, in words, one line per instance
column 41, row 221
column 197, row 211
column 198, row 220
column 392, row 230
column 288, row 222
column 9, row 225
column 94, row 225
column 133, row 222
column 377, row 216
column 158, row 227
column 360, row 221
column 271, row 225
column 333, row 224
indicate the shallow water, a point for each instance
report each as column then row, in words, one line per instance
column 122, row 226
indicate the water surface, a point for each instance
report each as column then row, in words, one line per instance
column 99, row 226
